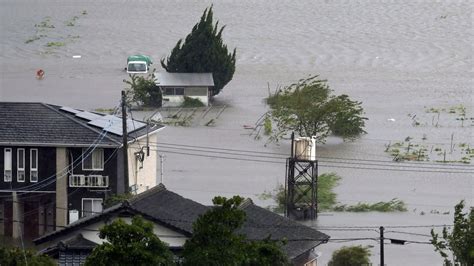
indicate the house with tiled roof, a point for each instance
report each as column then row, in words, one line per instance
column 173, row 216
column 58, row 164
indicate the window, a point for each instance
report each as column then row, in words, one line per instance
column 94, row 160
column 20, row 160
column 7, row 172
column 91, row 206
column 174, row 91
column 34, row 165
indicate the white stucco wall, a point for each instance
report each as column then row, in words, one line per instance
column 200, row 93
column 143, row 174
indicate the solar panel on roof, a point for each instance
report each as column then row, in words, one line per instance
column 113, row 124
column 89, row 116
column 69, row 110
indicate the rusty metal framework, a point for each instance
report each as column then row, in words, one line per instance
column 301, row 189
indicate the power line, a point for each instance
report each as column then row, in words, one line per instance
column 284, row 155
column 319, row 164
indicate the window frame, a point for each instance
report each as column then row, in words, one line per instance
column 33, row 170
column 5, row 150
column 165, row 93
column 92, row 204
column 20, row 169
column 91, row 157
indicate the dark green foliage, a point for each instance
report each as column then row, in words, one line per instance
column 130, row 244
column 203, row 51
column 143, row 90
column 308, row 108
column 191, row 102
column 350, row 256
column 460, row 241
column 215, row 242
column 266, row 252
column 13, row 256
column 117, row 198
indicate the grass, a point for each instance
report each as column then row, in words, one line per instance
column 395, row 205
column 55, row 44
column 32, row 39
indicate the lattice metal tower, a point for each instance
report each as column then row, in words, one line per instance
column 302, row 180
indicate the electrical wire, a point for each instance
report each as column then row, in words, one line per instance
column 319, row 164
column 284, row 155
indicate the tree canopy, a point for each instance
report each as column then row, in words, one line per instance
column 18, row 257
column 308, row 108
column 350, row 256
column 460, row 241
column 215, row 241
column 143, row 91
column 130, row 244
column 203, row 51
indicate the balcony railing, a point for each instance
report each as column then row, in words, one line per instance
column 88, row 181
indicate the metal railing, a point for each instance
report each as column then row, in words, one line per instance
column 88, row 181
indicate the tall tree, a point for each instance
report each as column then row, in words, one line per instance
column 130, row 244
column 203, row 51
column 215, row 241
column 460, row 241
column 309, row 108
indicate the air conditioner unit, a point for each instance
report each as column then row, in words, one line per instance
column 304, row 148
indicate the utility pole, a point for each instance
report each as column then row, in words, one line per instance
column 125, row 143
column 162, row 159
column 381, row 246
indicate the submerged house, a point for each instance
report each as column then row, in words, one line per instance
column 176, row 86
column 58, row 164
column 172, row 216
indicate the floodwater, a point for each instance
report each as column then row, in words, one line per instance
column 399, row 58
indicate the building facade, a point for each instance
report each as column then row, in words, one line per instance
column 59, row 164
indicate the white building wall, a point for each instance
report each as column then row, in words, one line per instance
column 143, row 174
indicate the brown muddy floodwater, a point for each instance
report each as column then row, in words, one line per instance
column 400, row 58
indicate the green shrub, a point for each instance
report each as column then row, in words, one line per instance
column 192, row 102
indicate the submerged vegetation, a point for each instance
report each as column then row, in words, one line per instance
column 434, row 119
column 45, row 29
column 382, row 206
column 327, row 198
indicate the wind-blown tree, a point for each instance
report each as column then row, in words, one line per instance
column 308, row 108
column 460, row 241
column 203, row 51
column 130, row 244
column 215, row 241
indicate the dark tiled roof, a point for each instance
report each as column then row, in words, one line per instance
column 24, row 123
column 262, row 223
column 168, row 208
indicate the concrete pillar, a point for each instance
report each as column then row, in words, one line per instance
column 61, row 187
column 16, row 217
column 41, row 219
column 2, row 218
